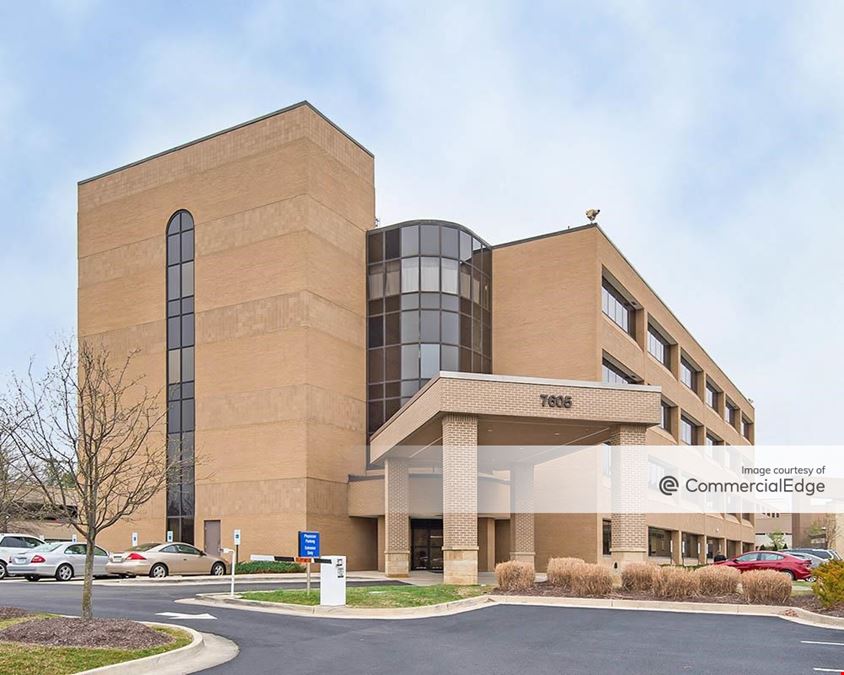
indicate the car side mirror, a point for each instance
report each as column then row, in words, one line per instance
column 202, row 554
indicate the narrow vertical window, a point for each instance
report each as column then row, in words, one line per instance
column 181, row 409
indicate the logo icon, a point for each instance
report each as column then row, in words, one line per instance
column 668, row 485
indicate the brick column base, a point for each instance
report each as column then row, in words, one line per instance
column 460, row 566
column 397, row 563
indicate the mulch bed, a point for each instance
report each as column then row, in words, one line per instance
column 66, row 632
column 805, row 601
column 12, row 613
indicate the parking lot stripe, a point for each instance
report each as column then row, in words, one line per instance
column 828, row 670
column 815, row 642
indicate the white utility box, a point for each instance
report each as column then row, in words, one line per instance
column 332, row 581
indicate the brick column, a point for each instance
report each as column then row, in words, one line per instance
column 702, row 543
column 521, row 513
column 629, row 483
column 396, row 518
column 460, row 499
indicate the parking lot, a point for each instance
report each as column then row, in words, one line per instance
column 500, row 639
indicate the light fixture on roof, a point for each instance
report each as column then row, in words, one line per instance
column 591, row 214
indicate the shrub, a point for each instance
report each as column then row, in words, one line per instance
column 638, row 576
column 829, row 583
column 766, row 587
column 267, row 567
column 676, row 583
column 560, row 571
column 514, row 575
column 718, row 580
column 591, row 580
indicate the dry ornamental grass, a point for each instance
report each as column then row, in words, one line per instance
column 515, row 575
column 590, row 580
column 716, row 580
column 638, row 576
column 560, row 571
column 676, row 583
column 766, row 587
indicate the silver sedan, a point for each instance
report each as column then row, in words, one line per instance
column 61, row 560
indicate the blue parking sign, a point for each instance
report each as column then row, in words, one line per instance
column 308, row 544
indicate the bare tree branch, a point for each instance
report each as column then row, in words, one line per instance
column 92, row 438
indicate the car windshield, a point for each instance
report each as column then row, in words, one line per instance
column 45, row 548
column 142, row 547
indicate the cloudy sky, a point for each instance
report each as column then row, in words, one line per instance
column 709, row 134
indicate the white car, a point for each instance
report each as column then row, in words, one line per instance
column 62, row 560
column 13, row 543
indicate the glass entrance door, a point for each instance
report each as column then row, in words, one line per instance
column 427, row 537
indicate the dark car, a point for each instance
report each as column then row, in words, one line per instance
column 797, row 568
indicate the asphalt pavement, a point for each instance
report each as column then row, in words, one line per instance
column 499, row 639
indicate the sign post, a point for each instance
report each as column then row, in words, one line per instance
column 134, row 539
column 169, row 536
column 308, row 548
column 236, row 546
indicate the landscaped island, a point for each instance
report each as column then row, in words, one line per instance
column 392, row 596
column 44, row 644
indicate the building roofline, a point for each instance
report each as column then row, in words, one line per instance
column 300, row 104
column 597, row 227
column 439, row 221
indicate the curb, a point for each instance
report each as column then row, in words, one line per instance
column 425, row 612
column 794, row 614
column 155, row 662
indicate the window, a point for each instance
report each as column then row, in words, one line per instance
column 665, row 419
column 658, row 346
column 769, row 557
column 746, row 428
column 688, row 375
column 606, row 537
column 659, row 542
column 180, row 364
column 656, row 472
column 690, row 545
column 428, row 310
column 713, row 440
column 688, row 430
column 711, row 396
column 747, row 557
column 730, row 413
column 612, row 374
column 617, row 308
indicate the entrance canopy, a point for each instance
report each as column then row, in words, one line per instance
column 513, row 412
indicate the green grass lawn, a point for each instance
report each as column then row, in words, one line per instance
column 27, row 659
column 376, row 596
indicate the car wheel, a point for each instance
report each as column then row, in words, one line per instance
column 32, row 577
column 791, row 574
column 64, row 573
column 2, row 570
column 158, row 571
column 218, row 569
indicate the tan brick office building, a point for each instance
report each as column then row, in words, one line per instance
column 301, row 349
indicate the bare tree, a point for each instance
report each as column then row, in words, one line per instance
column 93, row 440
column 823, row 532
column 21, row 502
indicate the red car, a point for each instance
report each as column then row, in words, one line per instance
column 797, row 568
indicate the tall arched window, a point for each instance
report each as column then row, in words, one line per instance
column 180, row 375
